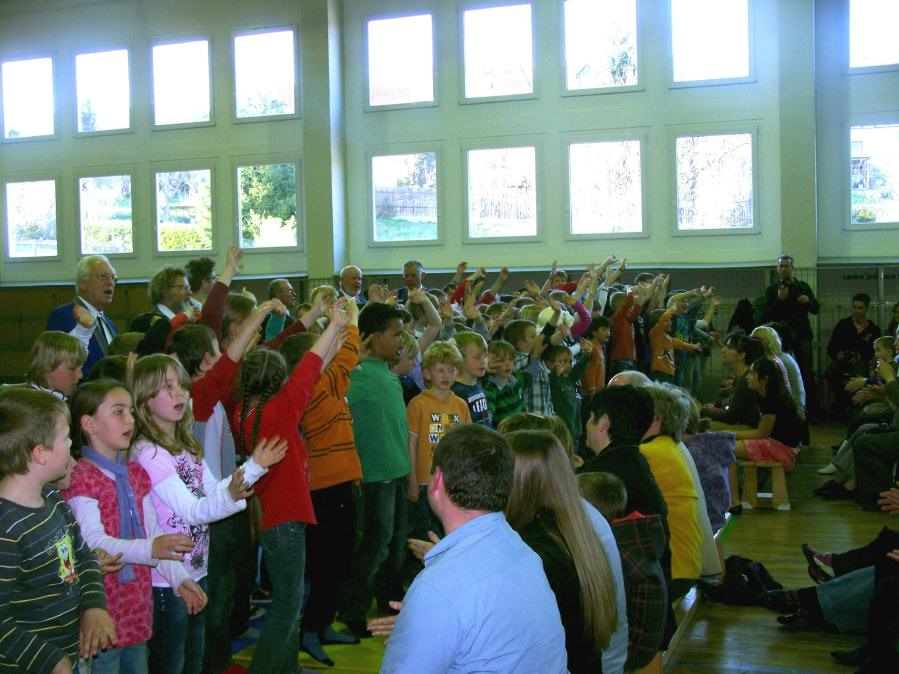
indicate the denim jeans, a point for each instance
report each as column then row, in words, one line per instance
column 177, row 641
column 382, row 552
column 278, row 648
column 126, row 660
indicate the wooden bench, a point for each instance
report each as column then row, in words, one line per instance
column 778, row 498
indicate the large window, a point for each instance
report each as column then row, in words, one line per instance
column 400, row 60
column 710, row 39
column 181, row 89
column 31, row 219
column 604, row 187
column 184, row 210
column 874, row 168
column 28, row 105
column 268, row 205
column 265, row 74
column 600, row 43
column 872, row 33
column 502, row 192
column 404, row 197
column 498, row 51
column 714, row 182
column 103, row 91
column 104, row 204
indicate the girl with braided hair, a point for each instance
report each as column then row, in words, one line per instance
column 273, row 404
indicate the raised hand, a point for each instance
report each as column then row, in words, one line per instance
column 504, row 274
column 82, row 316
column 269, row 451
column 586, row 346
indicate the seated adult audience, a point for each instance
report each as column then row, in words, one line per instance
column 84, row 316
column 200, row 275
column 168, row 291
column 503, row 615
column 876, row 453
column 850, row 349
column 280, row 289
column 741, row 407
column 413, row 273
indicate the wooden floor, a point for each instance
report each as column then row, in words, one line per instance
column 736, row 639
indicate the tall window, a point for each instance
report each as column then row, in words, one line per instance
column 404, row 197
column 600, row 43
column 104, row 204
column 604, row 187
column 31, row 218
column 872, row 33
column 400, row 60
column 103, row 91
column 874, row 168
column 28, row 105
column 268, row 205
column 498, row 51
column 710, row 39
column 184, row 210
column 181, row 83
column 714, row 182
column 502, row 192
column 265, row 74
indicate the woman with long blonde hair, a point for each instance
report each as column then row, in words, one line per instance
column 546, row 510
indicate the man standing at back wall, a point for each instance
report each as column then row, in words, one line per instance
column 84, row 316
column 791, row 301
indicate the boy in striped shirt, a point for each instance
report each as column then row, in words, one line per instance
column 52, row 598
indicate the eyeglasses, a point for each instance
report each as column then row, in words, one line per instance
column 106, row 277
column 186, row 286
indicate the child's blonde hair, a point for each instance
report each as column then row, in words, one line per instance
column 28, row 418
column 145, row 382
column 465, row 339
column 769, row 338
column 500, row 348
column 446, row 353
column 50, row 350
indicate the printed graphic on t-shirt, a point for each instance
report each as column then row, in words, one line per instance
column 440, row 424
column 191, row 474
column 66, row 556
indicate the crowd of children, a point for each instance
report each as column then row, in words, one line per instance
column 204, row 446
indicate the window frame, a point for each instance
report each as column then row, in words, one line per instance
column 564, row 91
column 499, row 143
column 168, row 166
column 160, row 41
column 28, row 177
column 240, row 161
column 95, row 48
column 861, row 119
column 750, row 78
column 716, row 129
column 849, row 69
column 366, row 84
column 297, row 69
column 55, row 86
column 640, row 134
column 534, row 94
column 103, row 172
column 400, row 149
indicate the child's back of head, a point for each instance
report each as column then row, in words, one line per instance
column 28, row 418
column 191, row 344
column 109, row 367
column 124, row 343
column 295, row 347
column 261, row 376
column 606, row 492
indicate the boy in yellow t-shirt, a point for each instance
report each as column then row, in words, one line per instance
column 429, row 415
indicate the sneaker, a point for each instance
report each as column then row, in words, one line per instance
column 820, row 564
column 829, row 469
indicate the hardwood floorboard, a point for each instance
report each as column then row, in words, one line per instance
column 748, row 639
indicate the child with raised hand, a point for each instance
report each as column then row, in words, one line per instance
column 111, row 499
column 186, row 497
column 52, row 603
column 273, row 403
column 563, row 381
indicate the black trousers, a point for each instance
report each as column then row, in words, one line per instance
column 875, row 456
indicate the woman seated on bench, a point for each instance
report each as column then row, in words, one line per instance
column 777, row 437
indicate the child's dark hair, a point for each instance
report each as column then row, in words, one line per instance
column 124, row 343
column 605, row 491
column 295, row 347
column 653, row 318
column 554, row 351
column 86, row 401
column 191, row 344
column 28, row 418
column 237, row 308
column 199, row 270
column 376, row 317
column 261, row 376
column 108, row 367
column 596, row 324
column 500, row 348
column 630, row 410
column 776, row 391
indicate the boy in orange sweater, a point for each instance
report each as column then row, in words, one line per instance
column 663, row 345
column 334, row 469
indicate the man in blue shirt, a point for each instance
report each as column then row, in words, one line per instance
column 482, row 602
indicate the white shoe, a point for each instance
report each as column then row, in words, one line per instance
column 829, row 469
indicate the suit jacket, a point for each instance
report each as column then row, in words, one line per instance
column 61, row 319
